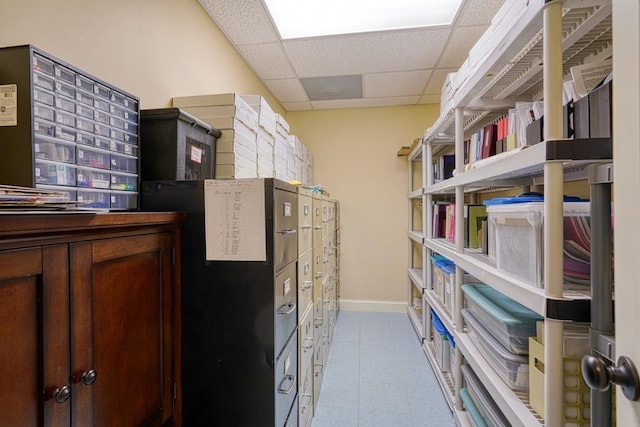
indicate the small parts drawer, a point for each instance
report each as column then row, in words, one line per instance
column 54, row 173
column 53, row 150
column 93, row 178
column 92, row 158
column 95, row 198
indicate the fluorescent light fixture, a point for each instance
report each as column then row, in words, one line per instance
column 311, row 18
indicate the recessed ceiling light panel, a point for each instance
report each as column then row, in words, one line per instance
column 311, row 18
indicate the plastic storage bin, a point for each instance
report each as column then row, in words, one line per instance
column 123, row 163
column 44, row 112
column 440, row 341
column 471, row 408
column 519, row 240
column 486, row 406
column 512, row 368
column 175, row 145
column 65, row 104
column 509, row 322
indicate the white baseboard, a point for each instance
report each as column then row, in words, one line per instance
column 373, row 305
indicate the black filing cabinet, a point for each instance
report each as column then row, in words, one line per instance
column 240, row 340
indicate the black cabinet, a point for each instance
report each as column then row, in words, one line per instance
column 240, row 341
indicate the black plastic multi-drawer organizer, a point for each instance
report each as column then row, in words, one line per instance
column 68, row 132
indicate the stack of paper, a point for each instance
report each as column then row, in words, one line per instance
column 280, row 148
column 236, row 149
column 266, row 134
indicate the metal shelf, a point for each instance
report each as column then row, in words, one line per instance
column 416, row 153
column 515, row 406
column 575, row 305
column 462, row 419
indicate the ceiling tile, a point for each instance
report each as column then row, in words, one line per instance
column 437, row 80
column 267, row 60
column 296, row 106
column 478, row 12
column 401, row 83
column 334, row 87
column 242, row 21
column 430, row 99
column 365, row 102
column 366, row 53
column 461, row 41
column 287, row 90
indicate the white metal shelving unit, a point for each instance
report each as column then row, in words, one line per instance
column 528, row 63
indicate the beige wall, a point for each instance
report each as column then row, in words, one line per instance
column 158, row 49
column 154, row 49
column 355, row 159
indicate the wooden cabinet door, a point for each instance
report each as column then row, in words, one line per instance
column 34, row 337
column 122, row 311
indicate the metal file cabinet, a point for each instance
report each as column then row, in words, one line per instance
column 239, row 323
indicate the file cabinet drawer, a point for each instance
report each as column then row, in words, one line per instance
column 305, row 223
column 285, row 206
column 306, row 341
column 305, row 282
column 317, row 221
column 286, row 380
column 286, row 315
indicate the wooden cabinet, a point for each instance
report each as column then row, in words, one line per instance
column 89, row 320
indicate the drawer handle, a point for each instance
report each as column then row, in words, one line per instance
column 308, row 285
column 62, row 394
column 307, row 347
column 291, row 378
column 288, row 231
column 287, row 309
column 318, row 275
column 318, row 227
column 306, row 227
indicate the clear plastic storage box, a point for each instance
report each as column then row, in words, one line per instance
column 508, row 322
column 124, row 200
column 54, row 173
column 519, row 240
column 512, row 368
column 96, row 199
column 54, row 150
column 486, row 406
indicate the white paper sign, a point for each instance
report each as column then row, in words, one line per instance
column 9, row 105
column 234, row 220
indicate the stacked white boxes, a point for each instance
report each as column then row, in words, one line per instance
column 280, row 148
column 309, row 168
column 297, row 160
column 291, row 158
column 236, row 149
column 266, row 134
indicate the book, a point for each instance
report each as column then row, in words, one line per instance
column 473, row 216
column 489, row 141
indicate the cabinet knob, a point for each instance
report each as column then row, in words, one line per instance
column 89, row 377
column 599, row 376
column 62, row 394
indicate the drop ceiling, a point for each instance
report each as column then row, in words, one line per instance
column 401, row 67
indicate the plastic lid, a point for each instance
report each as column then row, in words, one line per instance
column 500, row 306
column 526, row 198
column 471, row 408
column 437, row 323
